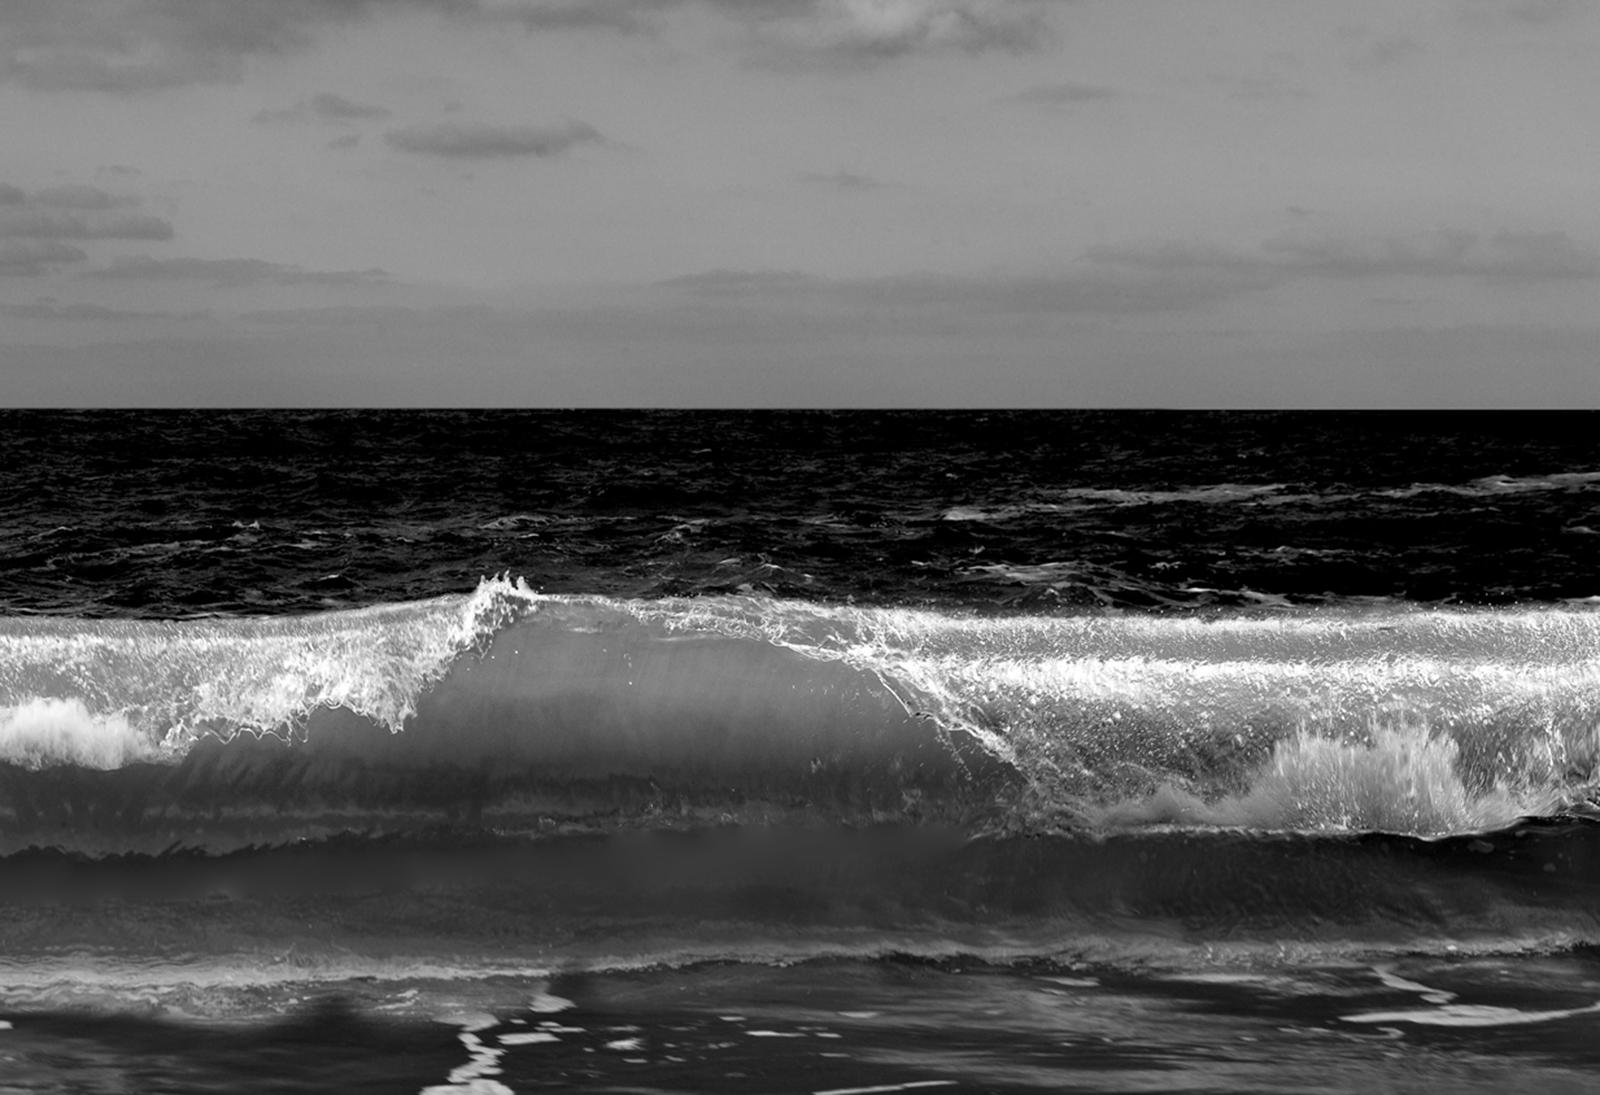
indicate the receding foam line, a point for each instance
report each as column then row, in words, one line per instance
column 1467, row 1015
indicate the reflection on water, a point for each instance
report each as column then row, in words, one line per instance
column 852, row 1028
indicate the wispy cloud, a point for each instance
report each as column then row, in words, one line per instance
column 804, row 30
column 1069, row 93
column 228, row 273
column 144, row 45
column 1262, row 87
column 1369, row 53
column 737, row 282
column 55, row 224
column 326, row 107
column 633, row 16
column 1081, row 291
column 79, row 311
column 76, row 213
column 483, row 141
column 31, row 258
column 1522, row 11
column 842, row 180
column 337, row 108
column 131, row 46
column 82, row 197
column 1157, row 278
column 856, row 31
column 1445, row 253
column 1515, row 256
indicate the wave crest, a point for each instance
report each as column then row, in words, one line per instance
column 156, row 687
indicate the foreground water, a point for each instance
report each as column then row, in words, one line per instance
column 886, row 1025
column 816, row 753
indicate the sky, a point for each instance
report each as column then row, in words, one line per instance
column 1180, row 203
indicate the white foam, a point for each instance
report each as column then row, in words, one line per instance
column 1502, row 484
column 105, row 693
column 527, row 1038
column 41, row 732
column 545, row 1003
column 1427, row 992
column 483, row 1061
column 1400, row 780
column 1467, row 1015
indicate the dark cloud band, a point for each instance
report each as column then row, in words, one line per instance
column 479, row 141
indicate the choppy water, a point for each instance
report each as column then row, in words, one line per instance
column 336, row 743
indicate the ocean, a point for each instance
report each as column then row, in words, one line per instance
column 799, row 752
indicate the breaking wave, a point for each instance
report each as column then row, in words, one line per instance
column 524, row 712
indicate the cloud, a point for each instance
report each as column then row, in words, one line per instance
column 802, row 30
column 337, row 107
column 1265, row 87
column 482, row 141
column 1083, row 291
column 54, row 224
column 1077, row 292
column 632, row 16
column 348, row 140
column 325, row 107
column 1375, row 53
column 1519, row 256
column 132, row 46
column 842, row 180
column 1445, row 253
column 1166, row 277
column 49, row 308
column 229, row 273
column 734, row 282
column 81, row 197
column 857, row 31
column 31, row 258
column 32, row 227
column 145, row 45
column 1521, row 11
column 1070, row 93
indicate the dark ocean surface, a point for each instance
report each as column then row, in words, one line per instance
column 799, row 752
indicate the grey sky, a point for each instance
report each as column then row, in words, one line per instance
column 708, row 202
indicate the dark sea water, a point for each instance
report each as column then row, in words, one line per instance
column 799, row 752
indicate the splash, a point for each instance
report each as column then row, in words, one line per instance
column 41, row 733
column 1399, row 780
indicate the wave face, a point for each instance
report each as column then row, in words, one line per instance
column 527, row 713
